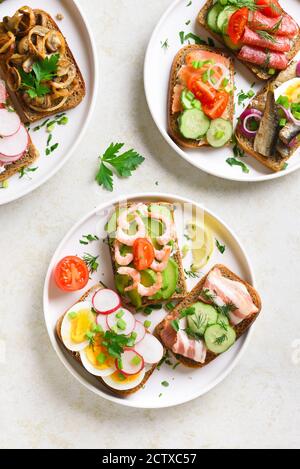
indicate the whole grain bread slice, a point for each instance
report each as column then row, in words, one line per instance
column 86, row 296
column 192, row 298
column 178, row 62
column 259, row 72
column 181, row 290
column 29, row 157
column 29, row 115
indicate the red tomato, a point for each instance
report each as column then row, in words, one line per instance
column 203, row 91
column 270, row 8
column 217, row 108
column 71, row 274
column 237, row 24
column 143, row 254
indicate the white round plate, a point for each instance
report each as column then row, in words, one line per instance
column 78, row 35
column 185, row 384
column 157, row 69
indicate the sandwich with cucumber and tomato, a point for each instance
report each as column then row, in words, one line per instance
column 212, row 317
column 259, row 32
column 146, row 258
column 201, row 97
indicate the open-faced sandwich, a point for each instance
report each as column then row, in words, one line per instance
column 201, row 97
column 210, row 319
column 38, row 66
column 259, row 32
column 16, row 148
column 269, row 129
column 145, row 255
column 108, row 342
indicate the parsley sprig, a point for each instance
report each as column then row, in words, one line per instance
column 123, row 164
column 42, row 71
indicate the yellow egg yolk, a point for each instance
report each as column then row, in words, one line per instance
column 118, row 377
column 293, row 93
column 81, row 325
column 98, row 356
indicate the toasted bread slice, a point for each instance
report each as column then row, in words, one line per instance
column 30, row 156
column 192, row 298
column 181, row 285
column 30, row 115
column 178, row 62
column 259, row 72
column 88, row 296
column 276, row 162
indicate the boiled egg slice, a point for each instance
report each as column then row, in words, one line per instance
column 96, row 360
column 77, row 323
column 121, row 382
column 290, row 89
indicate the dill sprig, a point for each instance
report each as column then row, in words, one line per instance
column 91, row 262
column 265, row 35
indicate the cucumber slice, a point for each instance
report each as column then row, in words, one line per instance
column 219, row 133
column 223, row 320
column 193, row 124
column 187, row 98
column 218, row 340
column 205, row 315
column 213, row 16
column 223, row 18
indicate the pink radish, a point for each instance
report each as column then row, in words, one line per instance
column 122, row 321
column 140, row 331
column 9, row 123
column 101, row 321
column 150, row 348
column 15, row 144
column 3, row 93
column 106, row 301
column 7, row 160
column 131, row 363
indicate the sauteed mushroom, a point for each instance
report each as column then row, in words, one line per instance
column 55, row 42
column 35, row 41
column 21, row 23
column 13, row 79
column 7, row 40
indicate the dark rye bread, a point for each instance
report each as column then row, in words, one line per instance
column 259, row 72
column 30, row 156
column 192, row 298
column 178, row 62
column 76, row 355
column 29, row 115
column 181, row 285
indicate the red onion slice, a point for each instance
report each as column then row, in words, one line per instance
column 246, row 115
column 288, row 114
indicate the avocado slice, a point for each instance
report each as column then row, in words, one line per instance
column 170, row 278
column 148, row 278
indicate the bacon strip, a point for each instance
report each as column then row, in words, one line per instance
column 190, row 348
column 279, row 43
column 257, row 56
column 288, row 27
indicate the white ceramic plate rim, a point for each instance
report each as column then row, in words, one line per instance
column 94, row 92
column 55, row 345
column 176, row 148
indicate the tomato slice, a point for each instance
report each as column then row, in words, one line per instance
column 71, row 274
column 203, row 91
column 217, row 108
column 270, row 8
column 143, row 254
column 237, row 24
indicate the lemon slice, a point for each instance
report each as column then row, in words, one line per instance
column 202, row 245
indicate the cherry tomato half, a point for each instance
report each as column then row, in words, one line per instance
column 217, row 108
column 71, row 274
column 270, row 8
column 203, row 91
column 143, row 254
column 237, row 24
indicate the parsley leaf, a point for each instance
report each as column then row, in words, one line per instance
column 123, row 164
column 235, row 162
column 42, row 71
column 221, row 248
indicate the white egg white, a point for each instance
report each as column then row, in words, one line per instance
column 66, row 327
column 281, row 90
column 92, row 369
column 121, row 386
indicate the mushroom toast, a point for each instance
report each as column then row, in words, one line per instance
column 145, row 254
column 259, row 32
column 38, row 66
column 108, row 342
column 207, row 323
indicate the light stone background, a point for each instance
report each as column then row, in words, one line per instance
column 41, row 405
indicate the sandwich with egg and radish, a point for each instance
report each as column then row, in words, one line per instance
column 109, row 342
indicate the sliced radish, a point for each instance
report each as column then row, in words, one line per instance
column 106, row 301
column 9, row 123
column 101, row 321
column 10, row 159
column 15, row 144
column 150, row 348
column 122, row 321
column 3, row 93
column 140, row 330
column 131, row 362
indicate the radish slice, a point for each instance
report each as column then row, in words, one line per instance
column 15, row 144
column 3, row 93
column 122, row 321
column 7, row 160
column 131, row 363
column 140, row 330
column 9, row 123
column 101, row 321
column 106, row 301
column 150, row 348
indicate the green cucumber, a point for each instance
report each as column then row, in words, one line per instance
column 205, row 315
column 218, row 340
column 223, row 18
column 193, row 124
column 187, row 98
column 213, row 16
column 219, row 133
column 223, row 320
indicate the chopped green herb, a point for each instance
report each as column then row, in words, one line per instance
column 101, row 358
column 42, row 71
column 5, row 184
column 147, row 324
column 175, row 325
column 91, row 262
column 121, row 324
column 25, row 172
column 221, row 247
column 165, row 384
column 190, row 311
column 120, row 314
column 235, row 162
column 136, row 360
column 170, row 306
column 86, row 239
column 72, row 315
column 165, row 44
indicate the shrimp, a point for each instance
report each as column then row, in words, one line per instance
column 134, row 274
column 164, row 254
column 122, row 260
column 150, row 291
column 168, row 235
column 124, row 225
